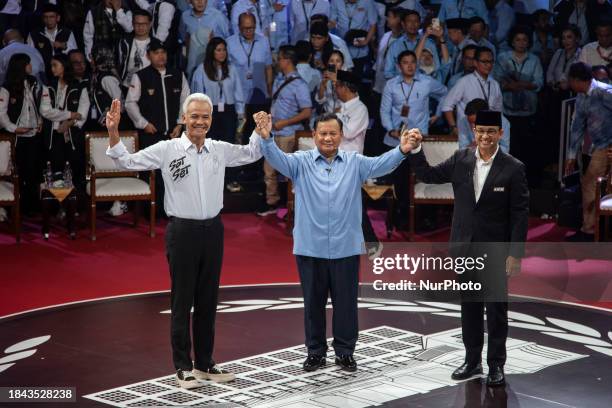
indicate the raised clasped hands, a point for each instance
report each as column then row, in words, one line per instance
column 410, row 139
column 263, row 124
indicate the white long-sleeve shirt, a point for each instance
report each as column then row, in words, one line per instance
column 194, row 181
column 355, row 120
column 133, row 96
column 28, row 118
column 57, row 114
column 124, row 19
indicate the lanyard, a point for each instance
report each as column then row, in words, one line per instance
column 307, row 15
column 409, row 92
column 248, row 54
column 516, row 68
column 220, row 83
column 460, row 7
column 488, row 93
column 350, row 16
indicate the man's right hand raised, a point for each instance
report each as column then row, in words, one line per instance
column 113, row 116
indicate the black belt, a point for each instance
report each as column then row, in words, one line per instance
column 200, row 223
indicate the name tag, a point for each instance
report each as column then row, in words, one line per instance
column 499, row 189
column 221, row 107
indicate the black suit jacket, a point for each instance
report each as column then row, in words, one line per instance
column 501, row 213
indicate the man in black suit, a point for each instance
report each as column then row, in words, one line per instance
column 490, row 216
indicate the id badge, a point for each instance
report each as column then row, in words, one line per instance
column 405, row 111
column 249, row 75
column 221, row 107
column 273, row 27
column 94, row 113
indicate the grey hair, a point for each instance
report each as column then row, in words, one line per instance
column 196, row 97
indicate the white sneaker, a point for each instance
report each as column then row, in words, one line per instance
column 215, row 374
column 3, row 214
column 185, row 378
column 118, row 209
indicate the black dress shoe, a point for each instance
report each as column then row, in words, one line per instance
column 580, row 237
column 466, row 371
column 313, row 362
column 346, row 362
column 496, row 377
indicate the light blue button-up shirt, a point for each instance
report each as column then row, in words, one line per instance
column 402, row 44
column 398, row 93
column 328, row 197
column 229, row 91
column 212, row 18
column 280, row 29
column 353, row 16
column 301, row 11
column 525, row 102
column 262, row 10
column 463, row 9
column 251, row 70
column 593, row 115
column 290, row 101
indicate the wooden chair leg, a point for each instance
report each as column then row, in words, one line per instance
column 152, row 220
column 606, row 227
column 92, row 219
column 597, row 221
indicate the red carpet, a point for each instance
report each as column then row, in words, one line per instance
column 123, row 260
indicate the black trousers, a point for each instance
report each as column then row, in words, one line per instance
column 493, row 298
column 224, row 124
column 194, row 249
column 29, row 168
column 369, row 235
column 523, row 137
column 339, row 278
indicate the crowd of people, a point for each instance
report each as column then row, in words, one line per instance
column 379, row 65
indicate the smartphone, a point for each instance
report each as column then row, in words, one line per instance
column 331, row 68
column 402, row 129
column 435, row 23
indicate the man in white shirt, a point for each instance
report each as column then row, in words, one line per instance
column 479, row 84
column 193, row 170
column 599, row 52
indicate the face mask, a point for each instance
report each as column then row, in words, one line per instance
column 428, row 69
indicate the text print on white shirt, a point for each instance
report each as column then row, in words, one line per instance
column 178, row 168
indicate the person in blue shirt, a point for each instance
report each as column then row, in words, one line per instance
column 405, row 99
column 478, row 31
column 262, row 11
column 542, row 42
column 218, row 79
column 593, row 115
column 501, row 20
column 521, row 77
column 411, row 22
column 291, row 109
column 327, row 237
column 202, row 14
column 462, row 9
column 468, row 64
column 250, row 54
column 280, row 24
column 301, row 13
column 350, row 17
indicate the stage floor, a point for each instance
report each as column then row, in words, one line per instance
column 117, row 353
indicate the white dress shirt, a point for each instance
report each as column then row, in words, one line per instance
column 355, row 120
column 481, row 171
column 194, row 180
column 593, row 54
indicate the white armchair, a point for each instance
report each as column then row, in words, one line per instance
column 9, row 181
column 108, row 183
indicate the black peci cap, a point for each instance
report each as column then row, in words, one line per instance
column 488, row 118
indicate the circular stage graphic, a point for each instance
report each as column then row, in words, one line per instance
column 117, row 353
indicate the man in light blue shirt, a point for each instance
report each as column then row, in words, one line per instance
column 203, row 14
column 462, row 9
column 327, row 236
column 301, row 12
column 262, row 11
column 405, row 99
column 411, row 22
column 347, row 15
column 291, row 108
column 501, row 20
